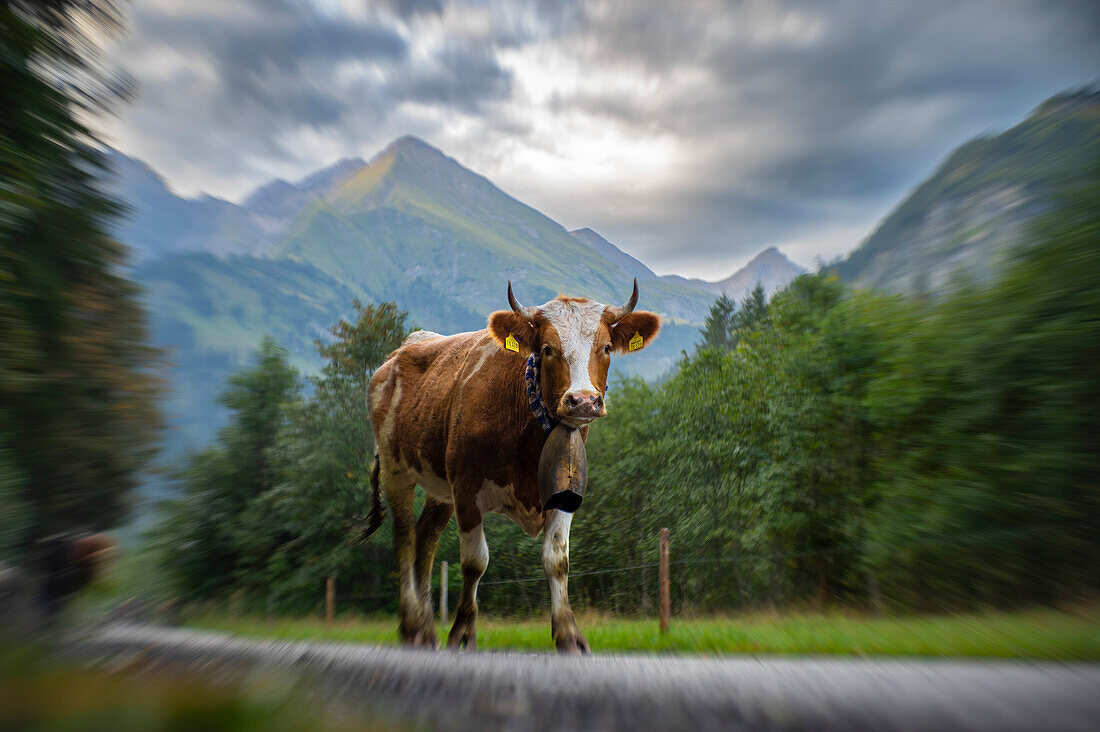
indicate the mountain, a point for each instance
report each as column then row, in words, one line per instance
column 613, row 254
column 414, row 226
column 770, row 268
column 977, row 206
column 415, row 218
column 278, row 201
column 160, row 222
column 411, row 225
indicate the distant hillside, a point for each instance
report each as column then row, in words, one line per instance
column 414, row 215
column 612, row 253
column 412, row 226
column 278, row 201
column 977, row 206
column 770, row 268
column 160, row 222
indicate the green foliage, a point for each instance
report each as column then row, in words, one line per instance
column 845, row 447
column 753, row 311
column 717, row 324
column 212, row 538
column 77, row 413
column 323, row 455
column 989, row 479
column 744, row 455
column 727, row 322
column 271, row 510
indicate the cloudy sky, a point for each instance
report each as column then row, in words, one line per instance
column 691, row 134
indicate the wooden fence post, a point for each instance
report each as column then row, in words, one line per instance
column 443, row 593
column 330, row 600
column 666, row 591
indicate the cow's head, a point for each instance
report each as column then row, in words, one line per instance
column 575, row 337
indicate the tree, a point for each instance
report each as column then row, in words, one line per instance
column 987, row 415
column 752, row 313
column 324, row 452
column 77, row 406
column 207, row 545
column 718, row 323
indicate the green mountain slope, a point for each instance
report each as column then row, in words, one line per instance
column 976, row 207
column 412, row 226
column 210, row 313
column 413, row 213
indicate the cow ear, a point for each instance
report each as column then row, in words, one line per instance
column 634, row 331
column 504, row 323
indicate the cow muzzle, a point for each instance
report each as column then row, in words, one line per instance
column 563, row 470
column 581, row 406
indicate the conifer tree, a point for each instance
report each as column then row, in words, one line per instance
column 77, row 412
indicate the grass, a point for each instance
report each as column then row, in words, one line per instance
column 1037, row 634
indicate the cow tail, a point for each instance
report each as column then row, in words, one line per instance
column 377, row 509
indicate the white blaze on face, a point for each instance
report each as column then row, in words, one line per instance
column 577, row 324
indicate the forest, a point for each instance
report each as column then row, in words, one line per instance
column 829, row 447
column 826, row 447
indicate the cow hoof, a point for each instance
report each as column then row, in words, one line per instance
column 419, row 638
column 574, row 645
column 423, row 638
column 465, row 639
column 427, row 639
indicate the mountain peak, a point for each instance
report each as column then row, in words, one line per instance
column 341, row 169
column 407, row 145
column 771, row 268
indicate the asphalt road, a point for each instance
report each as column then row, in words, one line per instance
column 519, row 691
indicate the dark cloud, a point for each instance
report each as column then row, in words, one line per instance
column 463, row 79
column 851, row 102
column 410, row 8
column 246, row 76
column 791, row 120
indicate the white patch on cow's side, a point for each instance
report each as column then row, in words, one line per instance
column 493, row 498
column 576, row 323
column 555, row 548
column 419, row 336
column 484, row 353
column 473, row 550
column 385, row 435
column 434, row 485
column 375, row 393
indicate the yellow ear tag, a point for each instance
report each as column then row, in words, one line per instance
column 636, row 342
column 511, row 343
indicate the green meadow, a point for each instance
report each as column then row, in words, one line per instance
column 1039, row 634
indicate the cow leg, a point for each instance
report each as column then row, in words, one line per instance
column 433, row 519
column 474, row 553
column 399, row 490
column 555, row 560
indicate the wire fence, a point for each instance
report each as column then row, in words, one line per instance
column 455, row 581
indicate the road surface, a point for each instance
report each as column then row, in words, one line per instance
column 522, row 691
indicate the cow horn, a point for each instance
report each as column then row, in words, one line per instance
column 519, row 309
column 627, row 309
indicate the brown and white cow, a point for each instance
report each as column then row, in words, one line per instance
column 451, row 414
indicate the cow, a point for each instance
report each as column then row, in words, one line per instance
column 455, row 415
